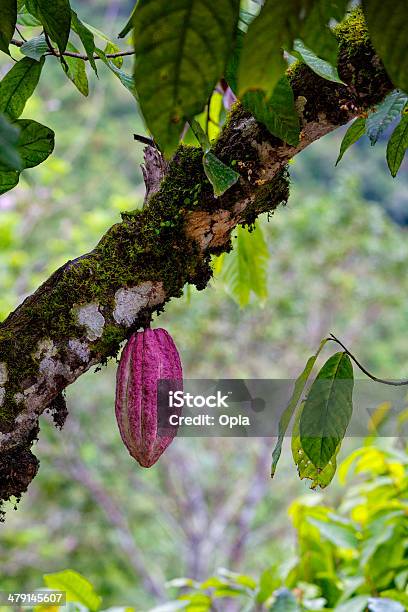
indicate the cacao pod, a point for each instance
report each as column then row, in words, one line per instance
column 149, row 356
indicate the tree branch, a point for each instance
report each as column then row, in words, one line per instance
column 85, row 58
column 83, row 312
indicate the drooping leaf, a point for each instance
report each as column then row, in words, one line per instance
column 386, row 113
column 18, row 85
column 244, row 270
column 78, row 589
column 124, row 78
column 8, row 19
column 355, row 132
column 278, row 113
column 327, row 410
column 8, row 180
column 35, row 47
column 320, row 66
column 86, row 37
column 181, row 51
column 112, row 48
column 9, row 156
column 129, row 25
column 287, row 414
column 75, row 70
column 387, row 33
column 285, row 601
column 55, row 17
column 356, row 604
column 306, row 469
column 35, row 142
column 397, row 144
column 221, row 176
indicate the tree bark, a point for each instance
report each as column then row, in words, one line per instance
column 83, row 312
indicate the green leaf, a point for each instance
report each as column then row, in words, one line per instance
column 200, row 135
column 221, row 177
column 354, row 133
column 25, row 18
column 387, row 33
column 338, row 534
column 245, row 268
column 278, row 113
column 8, row 180
column 75, row 70
column 112, row 48
column 320, row 66
column 35, row 143
column 327, row 410
column 18, row 85
column 55, row 16
column 356, row 604
column 77, row 588
column 285, row 601
column 9, row 156
column 287, row 414
column 181, row 51
column 8, row 20
column 86, row 37
column 123, row 77
column 129, row 25
column 316, row 32
column 397, row 144
column 386, row 113
column 382, row 604
column 35, row 47
column 306, row 469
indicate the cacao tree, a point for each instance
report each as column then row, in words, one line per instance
column 286, row 76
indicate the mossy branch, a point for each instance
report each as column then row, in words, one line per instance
column 83, row 312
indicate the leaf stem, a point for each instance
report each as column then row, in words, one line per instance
column 394, row 383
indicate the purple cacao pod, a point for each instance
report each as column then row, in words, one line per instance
column 149, row 356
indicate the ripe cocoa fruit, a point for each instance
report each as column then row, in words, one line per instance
column 149, row 356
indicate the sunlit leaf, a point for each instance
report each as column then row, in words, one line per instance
column 327, row 410
column 77, row 588
column 18, row 85
column 278, row 113
column 221, row 177
column 75, row 70
column 383, row 604
column 340, row 535
column 244, row 270
column 181, row 51
column 124, row 78
column 354, row 133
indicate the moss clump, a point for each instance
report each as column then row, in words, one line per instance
column 352, row 33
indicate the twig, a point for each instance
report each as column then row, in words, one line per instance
column 85, row 58
column 394, row 383
column 147, row 141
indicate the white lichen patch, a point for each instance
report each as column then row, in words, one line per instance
column 80, row 349
column 2, row 395
column 3, row 373
column 89, row 316
column 129, row 302
column 45, row 348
